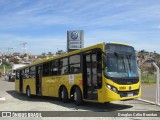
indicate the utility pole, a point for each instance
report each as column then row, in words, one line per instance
column 0, row 62
column 4, row 69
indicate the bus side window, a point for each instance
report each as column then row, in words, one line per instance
column 75, row 68
column 46, row 69
column 26, row 73
column 54, row 67
column 64, row 66
column 32, row 71
column 74, row 64
column 17, row 75
column 94, row 70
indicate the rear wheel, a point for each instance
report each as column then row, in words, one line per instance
column 64, row 95
column 78, row 96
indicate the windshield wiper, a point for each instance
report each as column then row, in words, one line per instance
column 116, row 54
column 129, row 62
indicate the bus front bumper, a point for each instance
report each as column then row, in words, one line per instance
column 121, row 95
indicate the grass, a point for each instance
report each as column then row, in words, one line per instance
column 7, row 69
column 148, row 79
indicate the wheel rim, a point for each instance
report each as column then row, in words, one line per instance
column 62, row 94
column 75, row 96
column 28, row 92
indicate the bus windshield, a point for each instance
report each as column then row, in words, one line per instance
column 120, row 65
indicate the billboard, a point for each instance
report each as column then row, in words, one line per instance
column 75, row 40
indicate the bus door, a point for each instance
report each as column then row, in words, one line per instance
column 21, row 81
column 91, row 75
column 39, row 80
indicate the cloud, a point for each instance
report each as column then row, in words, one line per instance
column 35, row 45
column 139, row 40
column 81, row 13
column 43, row 24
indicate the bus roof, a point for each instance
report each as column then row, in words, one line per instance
column 119, row 43
column 62, row 55
column 101, row 45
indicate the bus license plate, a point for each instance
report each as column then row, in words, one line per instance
column 130, row 94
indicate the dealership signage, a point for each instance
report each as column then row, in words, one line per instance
column 75, row 40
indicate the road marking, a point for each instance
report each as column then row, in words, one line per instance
column 2, row 99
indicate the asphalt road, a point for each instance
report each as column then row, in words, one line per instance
column 19, row 102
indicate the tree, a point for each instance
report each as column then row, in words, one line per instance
column 6, row 64
column 49, row 53
column 43, row 54
column 14, row 60
column 60, row 52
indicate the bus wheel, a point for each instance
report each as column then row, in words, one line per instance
column 78, row 96
column 64, row 95
column 28, row 92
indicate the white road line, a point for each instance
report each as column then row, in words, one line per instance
column 2, row 98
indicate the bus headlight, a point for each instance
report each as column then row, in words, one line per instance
column 109, row 87
column 112, row 88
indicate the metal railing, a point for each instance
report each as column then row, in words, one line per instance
column 157, row 83
column 157, row 102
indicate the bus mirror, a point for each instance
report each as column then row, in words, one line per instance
column 106, row 69
column 105, row 60
column 104, row 53
column 116, row 54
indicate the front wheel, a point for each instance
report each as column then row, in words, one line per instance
column 78, row 97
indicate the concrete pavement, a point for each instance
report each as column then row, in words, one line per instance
column 19, row 102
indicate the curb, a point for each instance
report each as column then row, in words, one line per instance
column 153, row 103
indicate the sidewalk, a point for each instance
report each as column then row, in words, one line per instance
column 2, row 98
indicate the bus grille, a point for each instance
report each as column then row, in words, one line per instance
column 126, row 93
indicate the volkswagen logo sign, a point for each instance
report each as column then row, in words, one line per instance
column 130, row 88
column 74, row 35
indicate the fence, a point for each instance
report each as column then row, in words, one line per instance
column 5, row 69
column 150, row 86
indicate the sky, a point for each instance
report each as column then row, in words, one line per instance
column 43, row 24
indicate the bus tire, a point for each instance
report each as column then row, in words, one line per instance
column 64, row 95
column 28, row 92
column 78, row 97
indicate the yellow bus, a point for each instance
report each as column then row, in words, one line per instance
column 102, row 73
